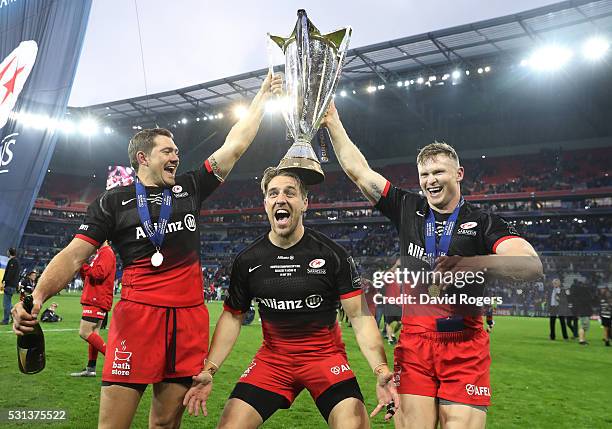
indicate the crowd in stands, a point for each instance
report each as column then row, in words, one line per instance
column 544, row 171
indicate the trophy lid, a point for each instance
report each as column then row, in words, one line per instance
column 335, row 38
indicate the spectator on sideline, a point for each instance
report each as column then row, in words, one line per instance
column 605, row 314
column 583, row 309
column 10, row 283
column 572, row 319
column 28, row 283
column 553, row 309
column 50, row 315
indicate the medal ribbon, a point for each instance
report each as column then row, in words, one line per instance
column 156, row 235
column 432, row 249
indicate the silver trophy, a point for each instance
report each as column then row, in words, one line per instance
column 313, row 62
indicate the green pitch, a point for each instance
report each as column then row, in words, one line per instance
column 537, row 383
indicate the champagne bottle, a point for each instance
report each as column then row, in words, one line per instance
column 31, row 346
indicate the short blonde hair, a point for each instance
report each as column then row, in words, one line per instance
column 436, row 148
column 272, row 172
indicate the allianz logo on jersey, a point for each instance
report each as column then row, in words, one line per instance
column 311, row 301
column 416, row 251
column 188, row 222
column 287, row 258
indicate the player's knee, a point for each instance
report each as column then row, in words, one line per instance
column 168, row 421
column 84, row 332
column 231, row 423
column 349, row 413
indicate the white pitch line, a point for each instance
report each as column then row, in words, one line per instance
column 212, row 325
column 47, row 330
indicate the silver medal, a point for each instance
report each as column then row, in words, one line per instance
column 157, row 259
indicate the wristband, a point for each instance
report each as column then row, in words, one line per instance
column 213, row 369
column 376, row 370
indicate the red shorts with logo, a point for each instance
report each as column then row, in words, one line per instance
column 447, row 365
column 288, row 374
column 147, row 344
column 95, row 312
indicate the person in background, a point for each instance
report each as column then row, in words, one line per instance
column 553, row 309
column 10, row 283
column 27, row 285
column 583, row 302
column 97, row 300
column 605, row 314
column 50, row 314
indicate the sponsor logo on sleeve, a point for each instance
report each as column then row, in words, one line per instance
column 355, row 277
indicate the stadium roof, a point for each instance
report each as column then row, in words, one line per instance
column 463, row 45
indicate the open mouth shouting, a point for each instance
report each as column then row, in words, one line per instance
column 434, row 191
column 282, row 217
column 170, row 169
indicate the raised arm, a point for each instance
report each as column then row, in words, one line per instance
column 58, row 273
column 352, row 160
column 244, row 131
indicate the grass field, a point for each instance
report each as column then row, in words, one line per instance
column 537, row 383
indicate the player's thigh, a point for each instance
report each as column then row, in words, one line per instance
column 238, row 414
column 416, row 412
column 117, row 406
column 86, row 327
column 461, row 416
column 350, row 413
column 167, row 404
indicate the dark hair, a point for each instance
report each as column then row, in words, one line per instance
column 12, row 251
column 144, row 141
column 272, row 172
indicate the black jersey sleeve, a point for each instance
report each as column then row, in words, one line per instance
column 206, row 181
column 99, row 221
column 390, row 202
column 496, row 229
column 347, row 276
column 239, row 298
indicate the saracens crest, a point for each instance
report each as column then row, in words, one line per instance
column 14, row 71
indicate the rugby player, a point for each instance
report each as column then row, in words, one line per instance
column 159, row 330
column 442, row 360
column 298, row 277
column 97, row 300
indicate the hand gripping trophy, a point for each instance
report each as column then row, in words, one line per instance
column 313, row 63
